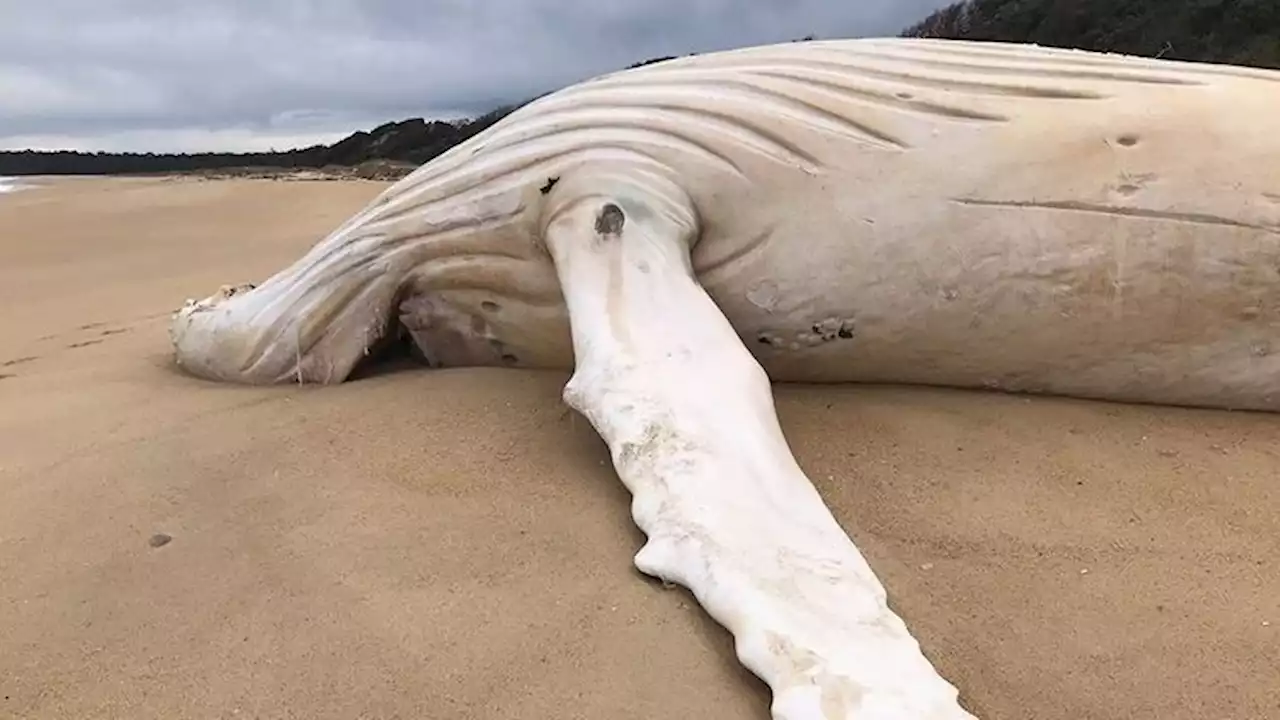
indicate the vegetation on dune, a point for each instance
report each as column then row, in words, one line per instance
column 386, row 151
column 1242, row 32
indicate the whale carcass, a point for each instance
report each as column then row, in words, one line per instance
column 879, row 210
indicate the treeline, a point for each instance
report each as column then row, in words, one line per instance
column 411, row 142
column 1240, row 32
column 1243, row 32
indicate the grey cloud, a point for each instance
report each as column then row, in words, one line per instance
column 90, row 71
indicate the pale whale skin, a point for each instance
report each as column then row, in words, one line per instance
column 881, row 210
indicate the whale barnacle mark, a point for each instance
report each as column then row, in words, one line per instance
column 504, row 354
column 551, row 182
column 769, row 339
column 610, row 220
column 828, row 330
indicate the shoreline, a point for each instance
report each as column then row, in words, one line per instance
column 375, row 170
column 10, row 184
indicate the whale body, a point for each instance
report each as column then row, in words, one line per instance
column 964, row 214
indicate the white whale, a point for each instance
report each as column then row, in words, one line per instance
column 966, row 214
column 878, row 210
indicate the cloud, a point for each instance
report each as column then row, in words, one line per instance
column 244, row 74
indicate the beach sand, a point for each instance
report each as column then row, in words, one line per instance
column 453, row 544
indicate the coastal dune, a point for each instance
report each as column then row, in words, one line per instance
column 454, row 543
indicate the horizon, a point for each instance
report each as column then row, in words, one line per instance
column 241, row 77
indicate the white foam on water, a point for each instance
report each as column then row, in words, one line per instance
column 9, row 184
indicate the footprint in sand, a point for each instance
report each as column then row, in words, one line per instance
column 107, row 332
column 84, row 343
column 104, row 334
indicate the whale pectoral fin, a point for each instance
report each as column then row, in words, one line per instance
column 689, row 419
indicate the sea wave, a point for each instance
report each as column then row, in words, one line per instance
column 9, row 184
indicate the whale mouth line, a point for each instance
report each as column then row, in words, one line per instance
column 1190, row 218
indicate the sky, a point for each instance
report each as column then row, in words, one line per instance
column 245, row 75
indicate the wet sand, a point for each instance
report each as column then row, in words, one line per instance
column 453, row 544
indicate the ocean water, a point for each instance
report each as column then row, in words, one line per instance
column 9, row 184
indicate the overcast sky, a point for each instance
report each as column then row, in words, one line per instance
column 189, row 75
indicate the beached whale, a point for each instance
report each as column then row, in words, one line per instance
column 880, row 210
column 965, row 214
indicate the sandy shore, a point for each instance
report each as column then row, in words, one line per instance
column 452, row 544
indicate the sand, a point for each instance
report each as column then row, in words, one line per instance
column 453, row 544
